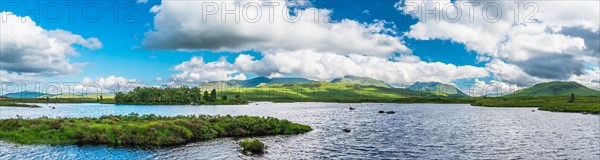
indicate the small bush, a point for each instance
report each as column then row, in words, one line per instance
column 252, row 145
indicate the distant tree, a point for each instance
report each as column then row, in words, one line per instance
column 47, row 98
column 119, row 97
column 100, row 97
column 168, row 95
column 213, row 95
column 572, row 99
column 237, row 97
column 206, row 96
column 196, row 94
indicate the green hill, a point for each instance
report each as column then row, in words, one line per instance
column 324, row 92
column 555, row 89
column 297, row 92
column 438, row 89
column 364, row 81
column 221, row 85
column 25, row 94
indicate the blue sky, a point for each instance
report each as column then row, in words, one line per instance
column 455, row 45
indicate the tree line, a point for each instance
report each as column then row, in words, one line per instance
column 169, row 95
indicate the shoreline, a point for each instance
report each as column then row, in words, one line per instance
column 21, row 105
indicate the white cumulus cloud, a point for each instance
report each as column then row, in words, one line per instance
column 511, row 73
column 591, row 78
column 531, row 45
column 28, row 48
column 324, row 66
column 263, row 26
column 107, row 84
column 197, row 71
column 491, row 88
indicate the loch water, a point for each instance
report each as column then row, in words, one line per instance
column 415, row 131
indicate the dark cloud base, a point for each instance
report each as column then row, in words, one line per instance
column 554, row 66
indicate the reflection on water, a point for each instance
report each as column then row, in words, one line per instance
column 432, row 131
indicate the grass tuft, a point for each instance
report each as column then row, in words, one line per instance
column 253, row 146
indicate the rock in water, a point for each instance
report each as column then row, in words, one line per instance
column 352, row 108
column 347, row 130
column 390, row 112
column 381, row 111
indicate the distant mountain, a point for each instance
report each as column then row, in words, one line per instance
column 555, row 89
column 438, row 89
column 219, row 85
column 25, row 94
column 250, row 82
column 364, row 81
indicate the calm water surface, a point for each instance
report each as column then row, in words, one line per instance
column 416, row 131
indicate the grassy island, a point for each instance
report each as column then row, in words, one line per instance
column 147, row 131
